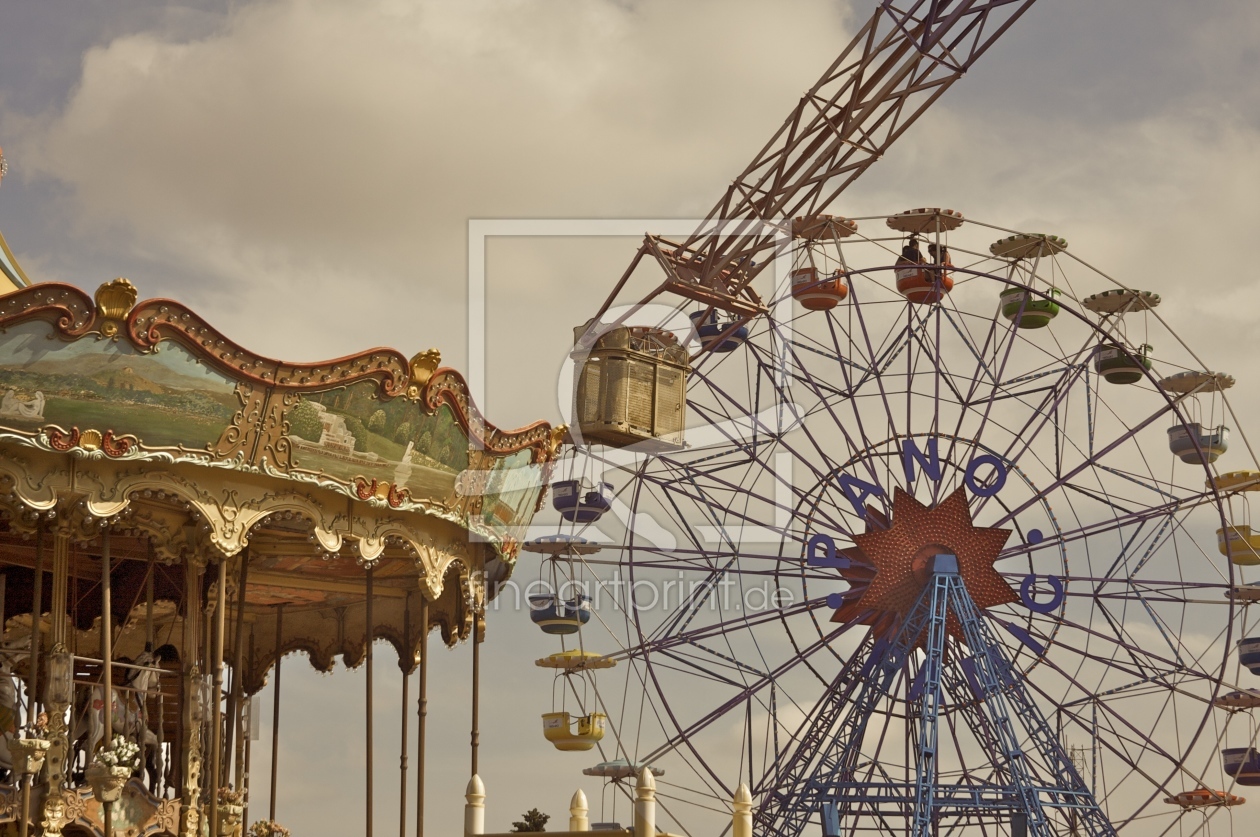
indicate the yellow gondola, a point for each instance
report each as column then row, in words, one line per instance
column 1235, row 481
column 1239, row 544
column 558, row 729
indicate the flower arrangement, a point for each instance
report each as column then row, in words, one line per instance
column 123, row 755
column 228, row 796
column 267, row 828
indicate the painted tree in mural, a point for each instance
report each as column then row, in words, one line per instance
column 304, row 422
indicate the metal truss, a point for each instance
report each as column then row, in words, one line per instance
column 900, row 62
column 1031, row 774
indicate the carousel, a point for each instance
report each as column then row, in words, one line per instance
column 190, row 513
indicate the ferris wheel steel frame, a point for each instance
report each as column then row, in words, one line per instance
column 1140, row 545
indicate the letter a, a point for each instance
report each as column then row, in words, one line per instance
column 857, row 491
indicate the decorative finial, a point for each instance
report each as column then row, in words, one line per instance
column 423, row 366
column 114, row 301
column 558, row 436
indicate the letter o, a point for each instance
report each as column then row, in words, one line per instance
column 999, row 476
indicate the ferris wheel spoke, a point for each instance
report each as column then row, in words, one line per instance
column 1127, row 733
column 686, row 734
column 977, row 353
column 807, row 379
column 811, row 735
column 1147, row 665
column 1129, row 434
column 715, row 672
column 1114, row 524
column 715, row 629
column 1074, row 367
column 690, row 476
column 1154, row 591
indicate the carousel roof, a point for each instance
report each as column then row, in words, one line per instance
column 145, row 420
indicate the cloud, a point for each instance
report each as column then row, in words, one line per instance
column 318, row 145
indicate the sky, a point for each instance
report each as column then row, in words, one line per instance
column 303, row 173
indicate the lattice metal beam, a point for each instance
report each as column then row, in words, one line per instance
column 1030, row 776
column 900, row 62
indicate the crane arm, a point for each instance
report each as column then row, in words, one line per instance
column 900, row 62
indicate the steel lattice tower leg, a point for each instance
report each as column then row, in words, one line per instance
column 995, row 706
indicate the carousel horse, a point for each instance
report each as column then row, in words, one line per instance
column 10, row 700
column 129, row 716
column 8, row 714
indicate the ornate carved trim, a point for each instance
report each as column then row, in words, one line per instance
column 70, row 308
column 447, row 386
column 156, row 319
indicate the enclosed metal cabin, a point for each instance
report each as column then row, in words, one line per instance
column 631, row 388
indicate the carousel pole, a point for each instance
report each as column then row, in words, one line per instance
column 402, row 759
column 275, row 713
column 216, row 728
column 148, row 603
column 422, row 709
column 238, row 678
column 235, row 689
column 60, row 686
column 368, row 629
column 476, row 683
column 37, row 613
column 247, row 734
column 107, row 664
column 192, row 710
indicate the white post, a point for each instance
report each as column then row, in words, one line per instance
column 741, row 820
column 578, row 810
column 475, row 807
column 645, row 804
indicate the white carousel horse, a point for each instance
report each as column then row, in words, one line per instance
column 8, row 713
column 10, row 697
column 129, row 716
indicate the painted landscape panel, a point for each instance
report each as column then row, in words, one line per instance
column 349, row 432
column 165, row 399
column 511, row 494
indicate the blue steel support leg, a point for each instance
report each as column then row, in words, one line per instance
column 930, row 704
column 1018, row 788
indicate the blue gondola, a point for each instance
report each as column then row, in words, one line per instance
column 556, row 615
column 1186, row 440
column 579, row 501
column 1249, row 653
column 1243, row 764
column 711, row 328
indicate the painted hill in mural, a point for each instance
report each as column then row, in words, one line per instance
column 164, row 398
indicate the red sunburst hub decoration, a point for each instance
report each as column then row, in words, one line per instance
column 892, row 561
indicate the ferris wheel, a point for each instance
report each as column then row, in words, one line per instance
column 900, row 524
column 923, row 385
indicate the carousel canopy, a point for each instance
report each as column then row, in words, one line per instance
column 144, row 420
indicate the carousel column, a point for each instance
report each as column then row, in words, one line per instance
column 236, row 704
column 368, row 633
column 32, row 668
column 193, row 709
column 402, row 758
column 275, row 712
column 422, row 710
column 216, row 697
column 477, row 629
column 60, row 689
column 37, row 612
column 107, row 670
